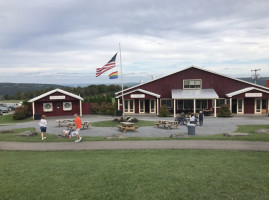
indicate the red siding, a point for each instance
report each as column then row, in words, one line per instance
column 86, row 109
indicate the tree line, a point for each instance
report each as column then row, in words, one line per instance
column 91, row 93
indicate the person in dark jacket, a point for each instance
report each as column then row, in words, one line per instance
column 201, row 118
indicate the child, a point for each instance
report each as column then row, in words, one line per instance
column 43, row 126
column 67, row 133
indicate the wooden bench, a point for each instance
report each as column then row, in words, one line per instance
column 166, row 123
column 127, row 126
column 84, row 125
column 64, row 122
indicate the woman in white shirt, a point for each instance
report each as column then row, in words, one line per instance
column 192, row 119
column 43, row 126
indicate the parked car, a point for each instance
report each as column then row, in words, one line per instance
column 4, row 109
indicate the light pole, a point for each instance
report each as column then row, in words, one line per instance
column 255, row 76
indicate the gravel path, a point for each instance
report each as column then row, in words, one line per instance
column 132, row 145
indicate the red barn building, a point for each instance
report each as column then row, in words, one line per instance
column 194, row 89
column 58, row 103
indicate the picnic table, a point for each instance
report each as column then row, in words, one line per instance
column 127, row 126
column 64, row 122
column 70, row 123
column 166, row 123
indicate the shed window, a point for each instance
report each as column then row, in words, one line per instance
column 166, row 102
column 67, row 106
column 47, row 107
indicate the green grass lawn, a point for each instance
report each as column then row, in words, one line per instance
column 11, row 101
column 8, row 119
column 136, row 175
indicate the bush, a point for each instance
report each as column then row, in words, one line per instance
column 164, row 111
column 134, row 120
column 21, row 112
column 224, row 111
column 104, row 109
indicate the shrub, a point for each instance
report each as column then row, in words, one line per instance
column 134, row 120
column 105, row 108
column 224, row 111
column 116, row 120
column 21, row 112
column 164, row 111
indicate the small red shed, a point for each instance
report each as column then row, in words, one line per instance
column 56, row 103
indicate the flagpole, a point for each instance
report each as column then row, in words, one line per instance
column 121, row 83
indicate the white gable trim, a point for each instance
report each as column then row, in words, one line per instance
column 245, row 90
column 53, row 91
column 140, row 90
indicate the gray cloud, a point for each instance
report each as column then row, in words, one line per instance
column 63, row 37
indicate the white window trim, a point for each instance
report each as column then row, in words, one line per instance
column 192, row 80
column 67, row 108
column 128, row 110
column 256, row 106
column 142, row 112
column 154, row 102
column 47, row 109
column 242, row 112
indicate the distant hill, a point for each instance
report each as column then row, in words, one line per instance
column 12, row 88
column 261, row 81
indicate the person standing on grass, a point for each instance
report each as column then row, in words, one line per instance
column 43, row 126
column 78, row 126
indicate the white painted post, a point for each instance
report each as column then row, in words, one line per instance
column 80, row 107
column 194, row 105
column 33, row 108
column 215, row 108
column 231, row 104
column 157, row 106
column 118, row 103
column 175, row 108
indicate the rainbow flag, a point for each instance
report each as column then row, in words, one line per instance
column 113, row 75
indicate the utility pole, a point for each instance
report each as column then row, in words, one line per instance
column 255, row 76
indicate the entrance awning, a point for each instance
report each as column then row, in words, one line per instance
column 194, row 94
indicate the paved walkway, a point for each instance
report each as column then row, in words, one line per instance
column 132, row 145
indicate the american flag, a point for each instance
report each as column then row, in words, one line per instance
column 106, row 67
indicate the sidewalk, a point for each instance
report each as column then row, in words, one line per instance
column 135, row 145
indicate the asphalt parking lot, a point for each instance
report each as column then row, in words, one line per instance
column 211, row 126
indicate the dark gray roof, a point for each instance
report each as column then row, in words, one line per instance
column 194, row 94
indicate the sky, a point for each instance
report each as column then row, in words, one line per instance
column 64, row 41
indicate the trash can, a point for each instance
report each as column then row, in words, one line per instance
column 191, row 129
column 118, row 113
column 37, row 116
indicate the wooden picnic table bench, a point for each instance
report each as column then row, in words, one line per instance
column 64, row 122
column 69, row 123
column 167, row 123
column 127, row 126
